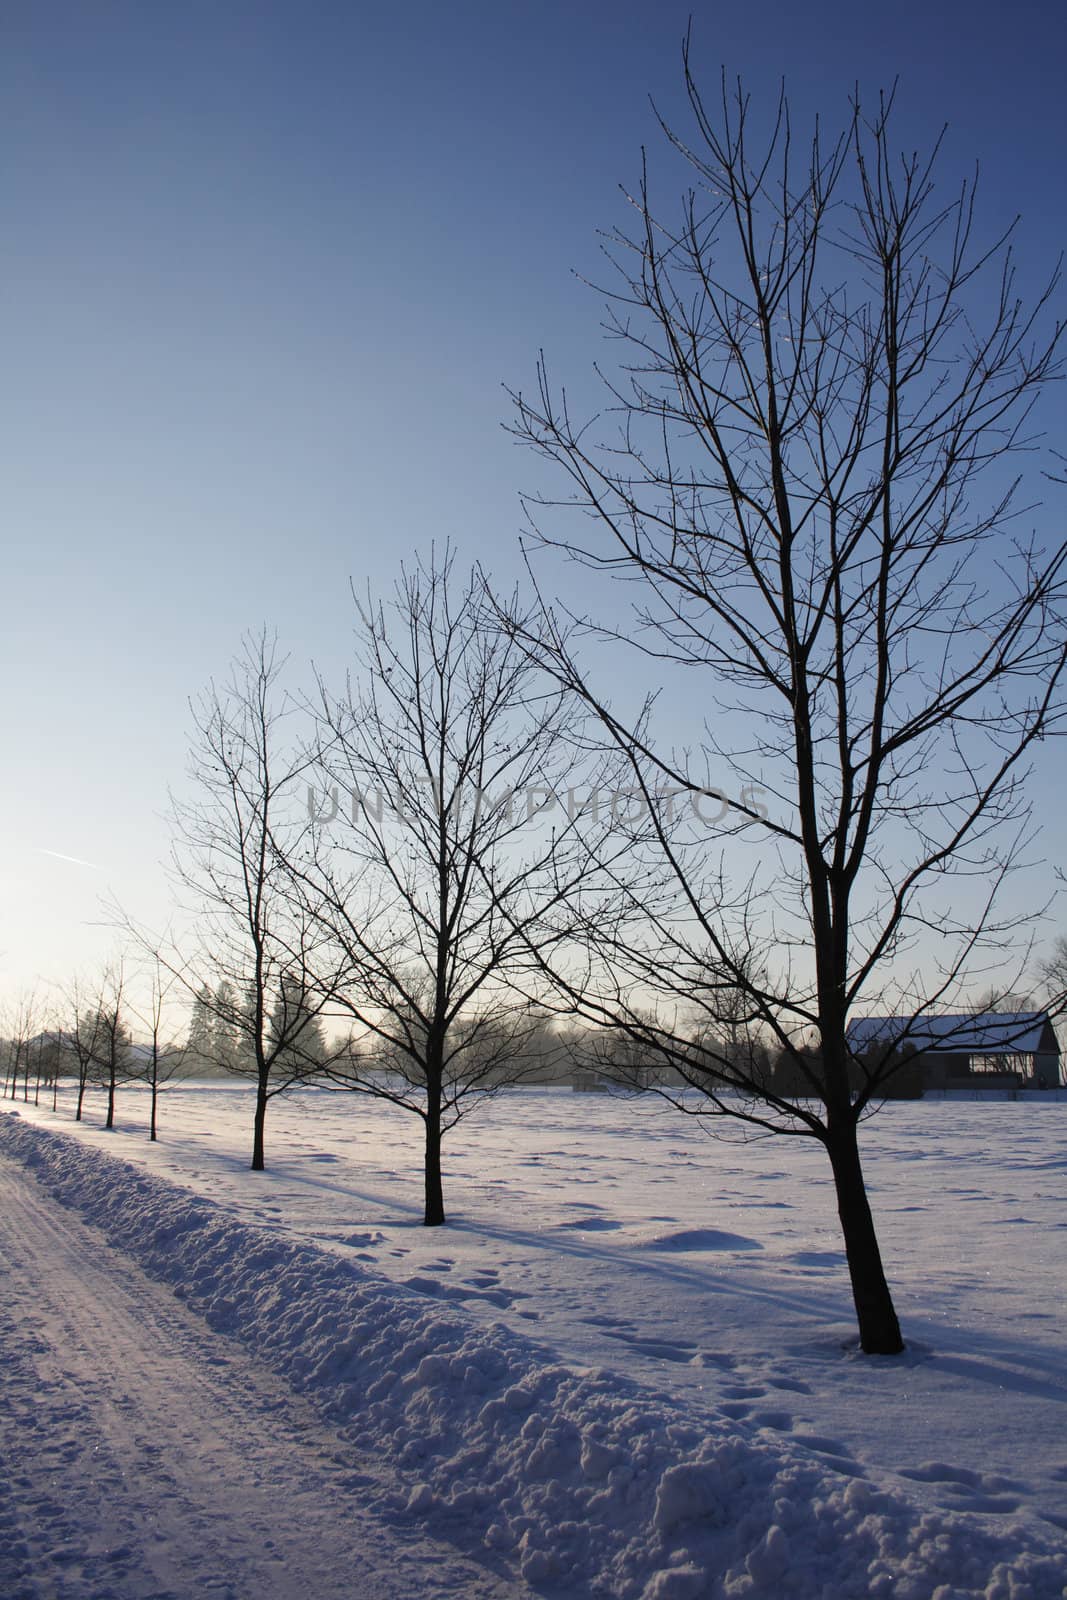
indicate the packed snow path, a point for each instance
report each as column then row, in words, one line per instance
column 144, row 1457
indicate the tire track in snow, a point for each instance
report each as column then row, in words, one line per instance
column 145, row 1457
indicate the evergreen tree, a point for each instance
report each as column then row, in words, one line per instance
column 201, row 1042
column 296, row 1029
column 228, row 1029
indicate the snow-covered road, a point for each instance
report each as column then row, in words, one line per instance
column 144, row 1457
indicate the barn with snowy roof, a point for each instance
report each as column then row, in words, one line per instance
column 971, row 1050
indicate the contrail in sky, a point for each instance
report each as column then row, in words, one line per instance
column 77, row 860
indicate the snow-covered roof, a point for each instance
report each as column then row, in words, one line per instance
column 963, row 1033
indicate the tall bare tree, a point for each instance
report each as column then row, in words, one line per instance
column 256, row 943
column 806, row 470
column 445, row 754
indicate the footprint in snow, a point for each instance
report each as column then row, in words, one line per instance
column 779, row 1421
column 968, row 1490
column 658, row 1349
column 422, row 1285
column 941, row 1472
column 500, row 1298
column 823, row 1446
column 992, row 1504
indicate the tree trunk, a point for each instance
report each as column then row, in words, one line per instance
column 110, row 1123
column 152, row 1120
column 878, row 1325
column 258, row 1125
column 81, row 1099
column 435, row 1201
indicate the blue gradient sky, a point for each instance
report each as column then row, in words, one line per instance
column 266, row 268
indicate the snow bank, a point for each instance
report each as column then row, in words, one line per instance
column 588, row 1483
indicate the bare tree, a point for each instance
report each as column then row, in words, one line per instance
column 1002, row 1002
column 47, row 1048
column 112, row 1057
column 806, row 471
column 164, row 1060
column 232, row 839
column 22, row 1024
column 43, row 1052
column 82, row 1035
column 55, row 1059
column 731, row 1028
column 446, row 755
column 1054, row 973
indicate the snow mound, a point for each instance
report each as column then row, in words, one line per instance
column 590, row 1485
column 686, row 1239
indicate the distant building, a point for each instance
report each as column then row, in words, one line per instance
column 971, row 1050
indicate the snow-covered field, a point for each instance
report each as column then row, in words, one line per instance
column 626, row 1366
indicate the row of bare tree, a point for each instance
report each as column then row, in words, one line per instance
column 83, row 1037
column 420, row 870
column 804, row 478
